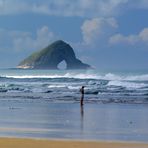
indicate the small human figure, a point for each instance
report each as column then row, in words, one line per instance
column 82, row 95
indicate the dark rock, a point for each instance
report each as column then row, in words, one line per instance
column 48, row 91
column 51, row 56
column 92, row 92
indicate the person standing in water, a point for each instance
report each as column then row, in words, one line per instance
column 82, row 95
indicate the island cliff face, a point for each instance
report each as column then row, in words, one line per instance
column 51, row 56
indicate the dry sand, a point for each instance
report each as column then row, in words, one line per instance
column 32, row 143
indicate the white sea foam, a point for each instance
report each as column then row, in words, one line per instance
column 56, row 86
column 108, row 76
column 127, row 84
column 32, row 76
column 137, row 78
column 74, row 87
column 67, row 75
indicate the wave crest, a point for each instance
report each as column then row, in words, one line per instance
column 87, row 75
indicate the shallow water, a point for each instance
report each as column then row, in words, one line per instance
column 45, row 104
column 43, row 119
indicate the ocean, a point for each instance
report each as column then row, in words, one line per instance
column 46, row 104
column 65, row 85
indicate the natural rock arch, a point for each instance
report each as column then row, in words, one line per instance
column 62, row 65
column 51, row 56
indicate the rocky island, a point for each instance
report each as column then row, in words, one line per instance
column 51, row 56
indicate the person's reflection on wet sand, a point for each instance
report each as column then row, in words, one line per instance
column 82, row 117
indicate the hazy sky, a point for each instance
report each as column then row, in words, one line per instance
column 108, row 34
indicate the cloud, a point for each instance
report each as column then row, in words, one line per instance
column 19, row 40
column 82, row 8
column 60, row 7
column 43, row 38
column 142, row 37
column 9, row 7
column 88, row 8
column 138, row 4
column 97, row 29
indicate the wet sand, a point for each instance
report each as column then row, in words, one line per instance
column 104, row 122
column 33, row 143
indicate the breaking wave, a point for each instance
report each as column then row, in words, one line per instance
column 127, row 84
column 109, row 87
column 108, row 76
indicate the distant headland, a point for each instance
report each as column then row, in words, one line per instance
column 51, row 56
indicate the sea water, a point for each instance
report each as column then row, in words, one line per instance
column 45, row 104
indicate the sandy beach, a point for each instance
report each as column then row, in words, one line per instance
column 33, row 143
